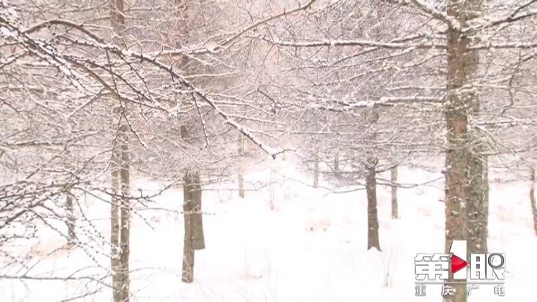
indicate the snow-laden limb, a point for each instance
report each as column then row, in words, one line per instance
column 507, row 123
column 132, row 57
column 512, row 45
column 381, row 102
column 234, row 37
column 442, row 16
column 506, row 20
column 41, row 49
column 358, row 42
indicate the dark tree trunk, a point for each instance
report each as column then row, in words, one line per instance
column 532, row 199
column 476, row 200
column 125, row 214
column 459, row 159
column 316, row 171
column 372, row 213
column 192, row 208
column 188, row 247
column 337, row 172
column 197, row 215
column 71, row 220
column 120, row 237
column 395, row 207
column 114, row 229
column 241, row 176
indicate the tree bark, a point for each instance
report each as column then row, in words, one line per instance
column 476, row 202
column 486, row 184
column 120, row 236
column 395, row 209
column 337, row 172
column 241, row 177
column 192, row 208
column 197, row 214
column 458, row 100
column 125, row 215
column 477, row 205
column 71, row 220
column 372, row 214
column 114, row 229
column 372, row 117
column 532, row 199
column 188, row 247
column 316, row 171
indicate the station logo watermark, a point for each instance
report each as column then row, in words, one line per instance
column 480, row 269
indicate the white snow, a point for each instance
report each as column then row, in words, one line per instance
column 288, row 243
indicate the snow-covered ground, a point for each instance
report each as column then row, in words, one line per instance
column 288, row 243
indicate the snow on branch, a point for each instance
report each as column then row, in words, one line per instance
column 100, row 44
column 509, row 19
column 382, row 102
column 450, row 21
column 512, row 45
column 362, row 43
column 222, row 45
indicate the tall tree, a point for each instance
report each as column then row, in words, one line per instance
column 371, row 162
column 121, row 207
column 477, row 205
column 241, row 172
column 533, row 202
column 395, row 205
column 194, row 238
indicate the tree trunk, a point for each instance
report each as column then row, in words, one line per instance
column 486, row 185
column 197, row 214
column 241, row 177
column 477, row 207
column 486, row 192
column 192, row 208
column 71, row 220
column 114, row 229
column 372, row 214
column 316, row 171
column 337, row 172
column 395, row 209
column 125, row 215
column 459, row 98
column 532, row 199
column 120, row 236
column 188, row 247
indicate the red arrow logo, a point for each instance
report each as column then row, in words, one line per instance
column 457, row 264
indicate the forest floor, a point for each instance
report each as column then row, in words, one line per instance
column 284, row 242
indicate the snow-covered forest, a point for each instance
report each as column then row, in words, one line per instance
column 264, row 150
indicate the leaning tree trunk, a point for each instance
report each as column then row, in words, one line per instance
column 458, row 156
column 532, row 198
column 395, row 208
